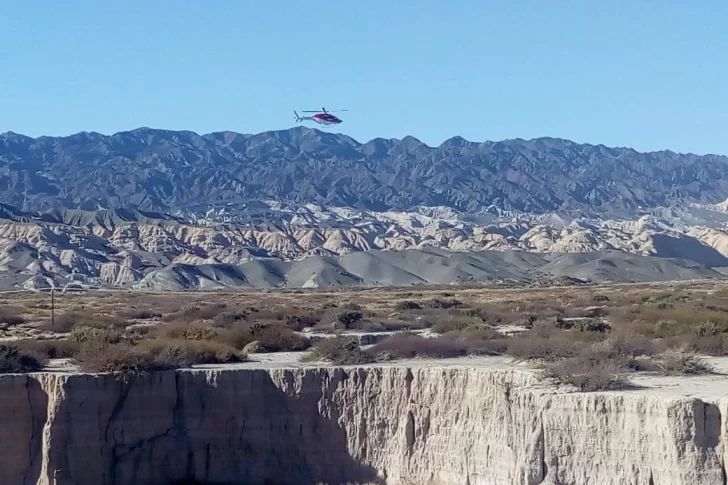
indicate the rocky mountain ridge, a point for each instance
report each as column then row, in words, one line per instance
column 167, row 171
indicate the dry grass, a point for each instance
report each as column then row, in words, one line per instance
column 635, row 322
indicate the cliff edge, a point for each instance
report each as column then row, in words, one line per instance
column 457, row 425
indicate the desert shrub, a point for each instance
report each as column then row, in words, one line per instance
column 592, row 326
column 406, row 305
column 348, row 318
column 191, row 314
column 680, row 320
column 675, row 362
column 48, row 349
column 270, row 337
column 299, row 322
column 398, row 325
column 477, row 313
column 226, row 319
column 487, row 346
column 588, row 372
column 539, row 348
column 548, row 343
column 440, row 303
column 715, row 308
column 83, row 333
column 237, row 337
column 716, row 345
column 709, row 329
column 477, row 332
column 340, row 351
column 266, row 315
column 407, row 346
column 481, row 340
column 62, row 323
column 665, row 297
column 365, row 325
column 455, row 324
column 355, row 307
column 65, row 322
column 526, row 321
column 277, row 337
column 101, row 321
column 187, row 331
column 14, row 360
column 174, row 353
column 140, row 314
column 600, row 298
column 585, row 312
column 10, row 315
column 125, row 361
column 327, row 306
column 631, row 345
column 553, row 321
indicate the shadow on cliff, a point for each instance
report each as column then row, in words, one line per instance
column 233, row 427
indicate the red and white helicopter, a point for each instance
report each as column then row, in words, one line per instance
column 322, row 117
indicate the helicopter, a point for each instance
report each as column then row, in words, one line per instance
column 322, row 117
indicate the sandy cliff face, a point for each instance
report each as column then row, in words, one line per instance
column 395, row 425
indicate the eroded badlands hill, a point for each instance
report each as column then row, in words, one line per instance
column 312, row 247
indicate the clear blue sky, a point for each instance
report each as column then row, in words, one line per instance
column 643, row 73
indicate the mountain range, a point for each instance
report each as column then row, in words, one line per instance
column 170, row 210
column 168, row 171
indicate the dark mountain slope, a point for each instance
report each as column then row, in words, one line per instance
column 160, row 170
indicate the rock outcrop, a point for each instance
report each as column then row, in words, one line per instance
column 394, row 425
